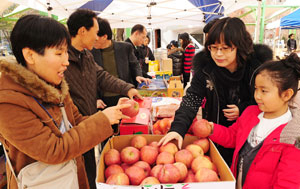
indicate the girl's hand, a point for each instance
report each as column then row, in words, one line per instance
column 232, row 113
column 171, row 136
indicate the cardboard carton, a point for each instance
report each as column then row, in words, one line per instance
column 119, row 142
column 175, row 87
column 166, row 65
column 140, row 124
column 156, row 88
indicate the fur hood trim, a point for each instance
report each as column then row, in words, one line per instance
column 30, row 81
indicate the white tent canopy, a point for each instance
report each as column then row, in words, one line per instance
column 126, row 13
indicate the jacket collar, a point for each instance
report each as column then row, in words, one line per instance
column 16, row 77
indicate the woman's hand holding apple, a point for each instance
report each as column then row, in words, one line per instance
column 171, row 136
column 114, row 113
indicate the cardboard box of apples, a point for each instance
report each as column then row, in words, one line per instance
column 135, row 161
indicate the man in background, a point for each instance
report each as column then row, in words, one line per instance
column 85, row 78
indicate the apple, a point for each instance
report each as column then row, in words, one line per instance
column 165, row 125
column 169, row 147
column 155, row 170
column 200, row 162
column 203, row 143
column 149, row 154
column 150, row 180
column 124, row 166
column 130, row 155
column 145, row 166
column 154, row 144
column 118, row 179
column 190, row 177
column 136, row 174
column 165, row 158
column 206, row 175
column 138, row 141
column 169, row 173
column 131, row 111
column 201, row 128
column 195, row 150
column 184, row 156
column 113, row 169
column 112, row 156
column 182, row 170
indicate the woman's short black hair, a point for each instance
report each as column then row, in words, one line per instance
column 231, row 31
column 104, row 28
column 37, row 33
column 79, row 18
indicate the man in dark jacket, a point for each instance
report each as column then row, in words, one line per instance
column 145, row 55
column 117, row 58
column 85, row 78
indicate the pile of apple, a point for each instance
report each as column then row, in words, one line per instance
column 141, row 164
column 162, row 126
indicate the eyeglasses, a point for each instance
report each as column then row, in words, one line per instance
column 224, row 50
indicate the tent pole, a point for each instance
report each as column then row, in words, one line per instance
column 262, row 22
column 258, row 14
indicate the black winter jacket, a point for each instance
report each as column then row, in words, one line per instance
column 213, row 88
column 177, row 58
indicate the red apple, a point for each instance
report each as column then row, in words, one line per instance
column 169, row 147
column 165, row 158
column 113, row 169
column 155, row 170
column 150, row 180
column 149, row 154
column 112, row 156
column 118, row 179
column 165, row 125
column 169, row 173
column 154, row 144
column 195, row 150
column 138, row 141
column 203, row 143
column 145, row 166
column 136, row 175
column 200, row 162
column 206, row 175
column 184, row 156
column 190, row 177
column 130, row 155
column 124, row 166
column 182, row 170
column 201, row 128
column 131, row 111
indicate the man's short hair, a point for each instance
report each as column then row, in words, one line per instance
column 37, row 33
column 79, row 18
column 138, row 27
column 104, row 28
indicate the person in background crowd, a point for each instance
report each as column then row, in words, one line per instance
column 137, row 38
column 189, row 52
column 117, row 58
column 86, row 79
column 145, row 56
column 33, row 85
column 222, row 85
column 176, row 55
column 291, row 43
column 266, row 151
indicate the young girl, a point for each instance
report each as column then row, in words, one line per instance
column 263, row 158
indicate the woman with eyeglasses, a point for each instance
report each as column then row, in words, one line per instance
column 222, row 84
